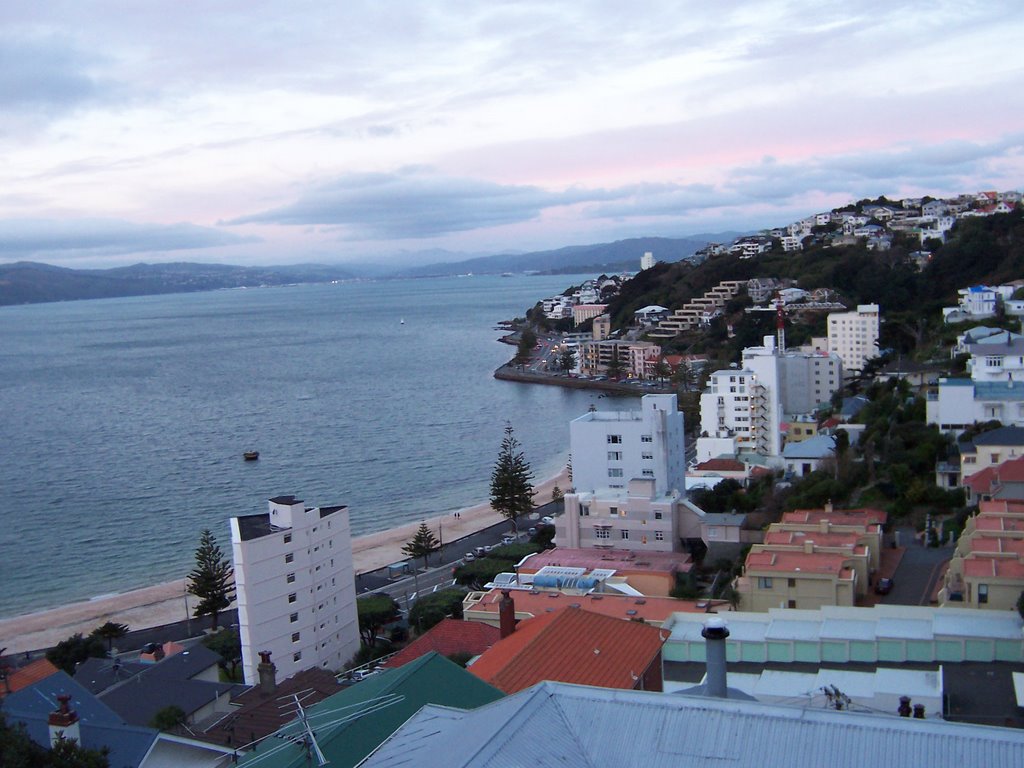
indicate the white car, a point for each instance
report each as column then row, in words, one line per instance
column 548, row 520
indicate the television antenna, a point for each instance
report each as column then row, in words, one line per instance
column 306, row 731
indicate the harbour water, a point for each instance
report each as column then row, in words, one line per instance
column 123, row 422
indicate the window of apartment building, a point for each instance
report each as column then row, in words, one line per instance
column 624, row 533
column 657, row 515
column 602, row 533
column 293, row 618
column 614, row 439
column 614, row 485
column 764, row 582
column 659, row 535
column 290, row 578
column 970, row 460
column 994, row 361
column 584, row 510
column 791, row 604
column 297, row 656
column 791, row 582
column 615, row 472
column 614, row 455
column 648, row 473
column 287, row 538
column 613, row 511
column 982, row 593
column 995, row 458
column 292, row 598
column 646, row 439
column 295, row 637
column 647, row 456
column 289, row 557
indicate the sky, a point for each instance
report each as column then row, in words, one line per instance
column 262, row 133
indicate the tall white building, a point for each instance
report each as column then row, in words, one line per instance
column 854, row 336
column 629, row 472
column 647, row 261
column 296, row 587
column 742, row 408
column 609, row 448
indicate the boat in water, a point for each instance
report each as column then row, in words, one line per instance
column 251, row 455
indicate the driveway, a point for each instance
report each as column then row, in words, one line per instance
column 918, row 571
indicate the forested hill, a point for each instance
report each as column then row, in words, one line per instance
column 27, row 282
column 979, row 250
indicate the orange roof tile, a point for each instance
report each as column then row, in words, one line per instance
column 793, row 562
column 722, row 465
column 653, row 610
column 866, row 516
column 25, row 676
column 1005, row 506
column 797, row 538
column 995, row 544
column 449, row 637
column 571, row 646
column 993, row 567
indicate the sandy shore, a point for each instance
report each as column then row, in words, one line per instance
column 165, row 603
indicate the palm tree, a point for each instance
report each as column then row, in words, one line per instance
column 110, row 632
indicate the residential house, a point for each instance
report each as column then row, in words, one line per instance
column 573, row 645
column 295, row 586
column 806, row 456
column 994, row 390
column 796, row 580
column 987, row 568
column 644, row 573
column 351, row 724
column 1003, row 482
column 989, row 450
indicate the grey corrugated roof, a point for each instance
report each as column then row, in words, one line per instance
column 1002, row 435
column 556, row 724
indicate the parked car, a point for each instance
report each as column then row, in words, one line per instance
column 548, row 520
column 508, row 538
column 883, row 586
column 469, row 557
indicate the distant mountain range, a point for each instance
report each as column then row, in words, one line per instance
column 26, row 282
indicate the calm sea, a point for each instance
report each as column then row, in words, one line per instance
column 124, row 421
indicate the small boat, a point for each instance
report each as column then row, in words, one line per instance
column 251, row 455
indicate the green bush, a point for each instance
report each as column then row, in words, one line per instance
column 431, row 609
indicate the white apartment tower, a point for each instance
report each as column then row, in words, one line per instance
column 854, row 336
column 296, row 587
column 646, row 261
column 609, row 448
column 742, row 408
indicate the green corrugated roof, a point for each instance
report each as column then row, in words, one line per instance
column 376, row 708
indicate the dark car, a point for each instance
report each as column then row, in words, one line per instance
column 883, row 586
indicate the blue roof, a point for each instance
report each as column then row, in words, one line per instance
column 813, row 448
column 99, row 726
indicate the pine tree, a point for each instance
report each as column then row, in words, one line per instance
column 212, row 579
column 511, row 481
column 422, row 544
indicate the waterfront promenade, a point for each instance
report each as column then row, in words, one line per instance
column 165, row 603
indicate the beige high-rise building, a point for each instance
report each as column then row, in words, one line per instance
column 854, row 336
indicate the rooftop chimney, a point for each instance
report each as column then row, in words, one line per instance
column 828, row 507
column 506, row 614
column 714, row 633
column 63, row 721
column 267, row 670
column 904, row 708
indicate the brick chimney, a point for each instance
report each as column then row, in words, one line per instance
column 267, row 672
column 506, row 614
column 63, row 721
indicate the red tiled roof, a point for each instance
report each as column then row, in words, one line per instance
column 866, row 516
column 722, row 465
column 25, row 676
column 653, row 610
column 793, row 562
column 797, row 538
column 993, row 567
column 1011, row 471
column 449, row 637
column 995, row 544
column 571, row 646
column 1002, row 506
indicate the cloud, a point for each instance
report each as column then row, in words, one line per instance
column 88, row 238
column 46, row 74
column 416, row 203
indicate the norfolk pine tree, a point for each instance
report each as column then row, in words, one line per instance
column 511, row 481
column 211, row 579
column 422, row 544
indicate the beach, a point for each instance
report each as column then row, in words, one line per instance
column 166, row 603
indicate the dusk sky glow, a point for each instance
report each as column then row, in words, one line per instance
column 273, row 133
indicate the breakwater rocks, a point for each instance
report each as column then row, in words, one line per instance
column 509, row 372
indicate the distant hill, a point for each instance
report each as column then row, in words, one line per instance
column 27, row 282
column 601, row 257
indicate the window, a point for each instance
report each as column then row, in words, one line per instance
column 657, row 515
column 764, row 582
column 614, row 455
column 625, row 533
column 291, row 598
column 648, row 473
column 614, row 439
column 290, row 578
column 289, row 557
column 982, row 593
column 615, row 472
column 647, row 455
column 584, row 511
column 995, row 458
column 287, row 538
column 659, row 535
column 295, row 637
column 602, row 533
column 791, row 582
column 293, row 618
column 646, row 439
column 297, row 656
